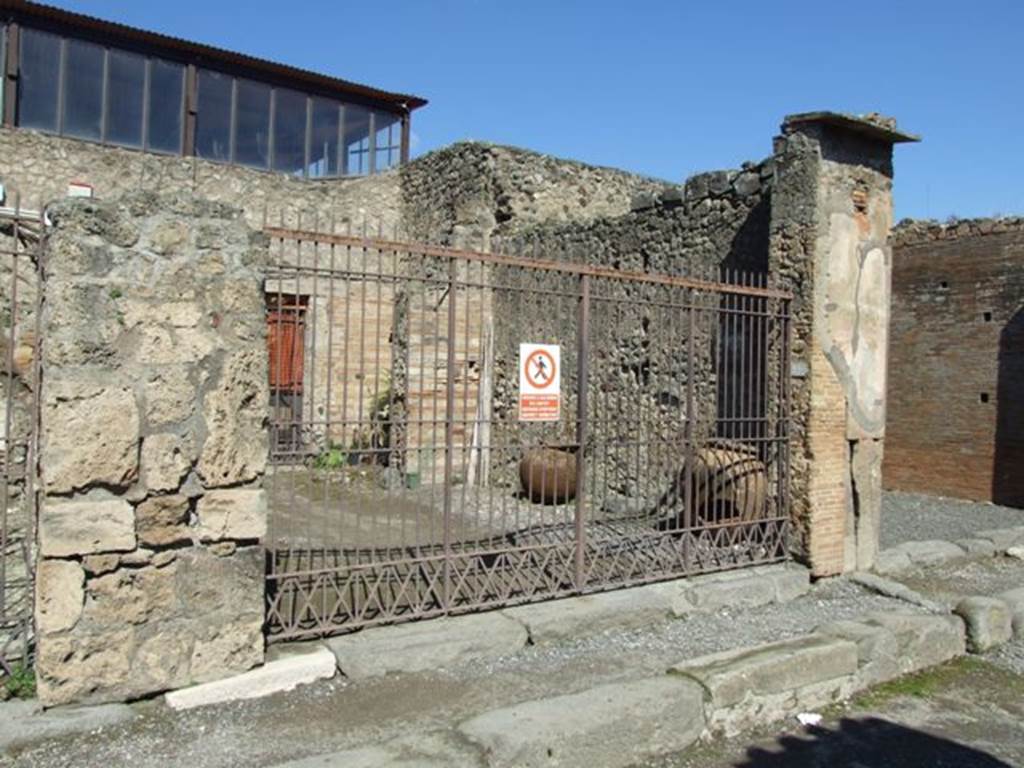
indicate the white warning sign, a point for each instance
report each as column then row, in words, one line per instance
column 540, row 382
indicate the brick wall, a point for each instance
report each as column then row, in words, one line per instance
column 956, row 423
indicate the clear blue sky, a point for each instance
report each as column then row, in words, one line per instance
column 664, row 88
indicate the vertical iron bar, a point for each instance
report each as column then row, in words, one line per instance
column 449, row 433
column 582, row 379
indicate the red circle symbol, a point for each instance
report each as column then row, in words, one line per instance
column 540, row 369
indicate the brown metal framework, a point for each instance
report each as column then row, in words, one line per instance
column 20, row 295
column 407, row 487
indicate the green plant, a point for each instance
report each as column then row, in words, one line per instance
column 333, row 457
column 21, row 683
column 115, row 293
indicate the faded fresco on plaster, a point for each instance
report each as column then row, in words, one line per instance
column 856, row 320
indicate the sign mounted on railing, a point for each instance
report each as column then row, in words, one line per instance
column 540, row 382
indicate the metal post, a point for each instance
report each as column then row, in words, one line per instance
column 582, row 376
column 11, row 74
column 405, row 138
column 690, row 413
column 449, row 433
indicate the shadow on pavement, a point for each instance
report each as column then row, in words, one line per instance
column 868, row 743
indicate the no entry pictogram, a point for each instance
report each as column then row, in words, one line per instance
column 539, row 382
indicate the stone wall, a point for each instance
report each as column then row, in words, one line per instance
column 831, row 217
column 153, row 447
column 639, row 355
column 465, row 193
column 956, row 386
column 38, row 167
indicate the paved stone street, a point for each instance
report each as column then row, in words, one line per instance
column 966, row 714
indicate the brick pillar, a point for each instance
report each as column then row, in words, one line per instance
column 830, row 223
column 153, row 444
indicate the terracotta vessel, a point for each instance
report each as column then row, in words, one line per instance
column 548, row 475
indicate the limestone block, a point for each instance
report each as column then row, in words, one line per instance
column 1014, row 599
column 931, row 552
column 877, row 649
column 237, row 513
column 170, row 397
column 559, row 620
column 60, row 595
column 924, row 640
column 735, row 589
column 988, row 620
column 234, row 645
column 90, row 436
column 162, row 520
column 440, row 643
column 131, row 596
column 71, row 528
column 166, row 459
column 620, row 724
column 298, row 667
column 1003, row 538
column 789, row 579
column 732, row 676
column 890, row 561
column 977, row 547
column 75, row 667
column 235, row 450
column 159, row 345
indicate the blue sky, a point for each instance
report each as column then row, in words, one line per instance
column 664, row 88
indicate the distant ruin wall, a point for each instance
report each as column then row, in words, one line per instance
column 956, row 373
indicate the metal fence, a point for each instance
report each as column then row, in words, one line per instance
column 20, row 297
column 404, row 483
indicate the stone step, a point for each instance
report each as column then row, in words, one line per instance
column 293, row 666
column 613, row 725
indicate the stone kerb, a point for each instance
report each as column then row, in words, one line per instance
column 153, row 445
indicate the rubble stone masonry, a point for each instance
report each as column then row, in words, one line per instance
column 153, row 448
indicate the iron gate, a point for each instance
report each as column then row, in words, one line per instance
column 403, row 484
column 20, row 296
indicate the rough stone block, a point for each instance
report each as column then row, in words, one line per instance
column 977, row 547
column 790, row 580
column 428, row 645
column 890, row 561
column 1003, row 538
column 1014, row 599
column 988, row 620
column 90, row 436
column 235, row 449
column 932, row 552
column 162, row 520
column 292, row 668
column 877, row 649
column 732, row 676
column 60, row 595
column 559, row 620
column 735, row 589
column 166, row 459
column 924, row 640
column 612, row 725
column 237, row 513
column 71, row 528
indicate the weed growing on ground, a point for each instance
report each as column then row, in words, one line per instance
column 21, row 683
column 920, row 685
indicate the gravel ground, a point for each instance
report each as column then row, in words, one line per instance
column 915, row 517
